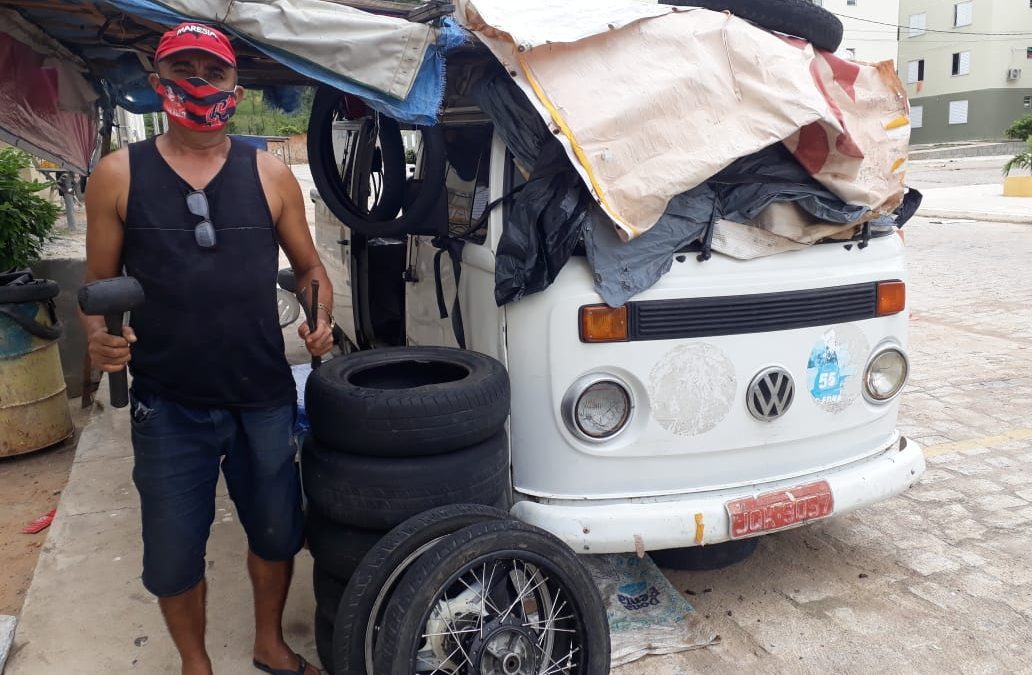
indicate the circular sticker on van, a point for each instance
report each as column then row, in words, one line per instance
column 834, row 369
column 692, row 389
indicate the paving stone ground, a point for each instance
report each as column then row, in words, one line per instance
column 938, row 580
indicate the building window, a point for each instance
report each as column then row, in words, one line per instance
column 1028, row 99
column 958, row 112
column 852, row 3
column 917, row 24
column 915, row 71
column 961, row 63
column 962, row 13
column 917, row 117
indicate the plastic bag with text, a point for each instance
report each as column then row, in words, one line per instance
column 646, row 613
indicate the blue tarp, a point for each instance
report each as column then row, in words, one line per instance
column 421, row 106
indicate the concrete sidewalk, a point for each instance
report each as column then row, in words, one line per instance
column 87, row 611
column 976, row 202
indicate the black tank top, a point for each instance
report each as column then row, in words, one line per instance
column 208, row 331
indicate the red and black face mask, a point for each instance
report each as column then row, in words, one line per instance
column 196, row 104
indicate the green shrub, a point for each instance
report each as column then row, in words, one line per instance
column 26, row 219
column 289, row 129
column 1020, row 161
column 410, row 156
column 1021, row 130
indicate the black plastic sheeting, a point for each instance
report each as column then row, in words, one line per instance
column 547, row 217
column 555, row 210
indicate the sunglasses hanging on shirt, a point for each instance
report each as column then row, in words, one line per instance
column 204, row 233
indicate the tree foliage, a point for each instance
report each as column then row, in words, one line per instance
column 255, row 117
column 1021, row 129
column 26, row 219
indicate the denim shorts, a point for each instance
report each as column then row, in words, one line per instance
column 178, row 452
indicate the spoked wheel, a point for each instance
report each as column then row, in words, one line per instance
column 365, row 600
column 497, row 598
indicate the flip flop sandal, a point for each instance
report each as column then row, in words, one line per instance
column 283, row 671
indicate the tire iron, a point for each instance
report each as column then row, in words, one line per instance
column 313, row 318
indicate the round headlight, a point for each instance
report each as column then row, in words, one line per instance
column 886, row 374
column 602, row 410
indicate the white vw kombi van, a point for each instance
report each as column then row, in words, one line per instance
column 730, row 400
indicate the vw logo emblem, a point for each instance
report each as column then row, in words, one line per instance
column 770, row 394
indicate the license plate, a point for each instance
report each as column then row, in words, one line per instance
column 780, row 510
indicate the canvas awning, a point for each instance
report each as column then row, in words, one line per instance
column 47, row 104
column 363, row 47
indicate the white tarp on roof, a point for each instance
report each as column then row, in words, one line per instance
column 378, row 52
column 532, row 25
column 650, row 101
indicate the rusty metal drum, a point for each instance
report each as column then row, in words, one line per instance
column 34, row 410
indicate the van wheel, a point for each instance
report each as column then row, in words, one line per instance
column 496, row 597
column 407, row 401
column 711, row 557
column 801, row 18
column 378, row 493
column 358, row 618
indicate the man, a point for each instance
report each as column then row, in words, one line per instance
column 197, row 219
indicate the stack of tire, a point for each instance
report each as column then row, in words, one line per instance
column 395, row 432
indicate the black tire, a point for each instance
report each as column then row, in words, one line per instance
column 391, row 159
column 801, row 18
column 338, row 548
column 700, row 558
column 374, row 580
column 407, row 401
column 328, row 590
column 378, row 494
column 33, row 291
column 324, row 642
column 335, row 195
column 438, row 573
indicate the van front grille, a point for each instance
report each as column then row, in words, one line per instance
column 761, row 313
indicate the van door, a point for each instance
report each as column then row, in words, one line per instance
column 371, row 267
column 475, row 177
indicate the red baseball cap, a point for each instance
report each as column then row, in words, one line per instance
column 197, row 36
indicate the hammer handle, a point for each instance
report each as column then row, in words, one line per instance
column 119, row 381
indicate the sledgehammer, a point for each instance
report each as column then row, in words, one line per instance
column 112, row 298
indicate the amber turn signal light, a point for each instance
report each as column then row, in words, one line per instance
column 892, row 297
column 602, row 323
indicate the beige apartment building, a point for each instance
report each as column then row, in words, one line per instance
column 967, row 66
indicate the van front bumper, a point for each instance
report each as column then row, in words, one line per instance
column 653, row 523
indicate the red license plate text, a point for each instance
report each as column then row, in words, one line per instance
column 780, row 510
